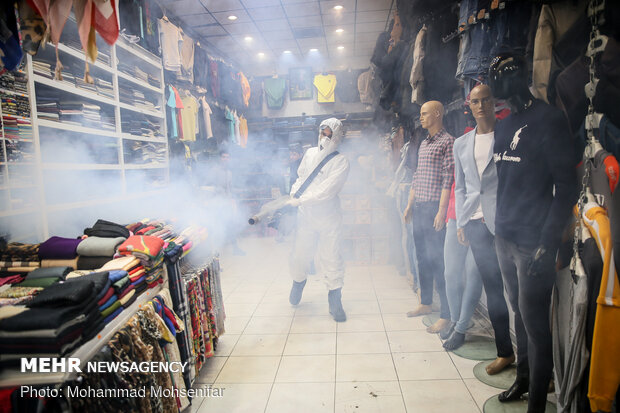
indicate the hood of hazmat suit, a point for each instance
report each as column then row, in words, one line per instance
column 319, row 210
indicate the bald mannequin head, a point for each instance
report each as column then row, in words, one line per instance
column 482, row 105
column 431, row 116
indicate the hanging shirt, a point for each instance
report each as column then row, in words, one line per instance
column 325, row 85
column 364, row 87
column 274, row 90
column 214, row 79
column 188, row 115
column 346, row 86
column 172, row 104
column 180, row 106
column 206, row 114
column 237, row 131
column 230, row 119
column 186, row 71
column 170, row 40
column 245, row 88
column 243, row 129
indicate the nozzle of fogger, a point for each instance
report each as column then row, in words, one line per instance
column 253, row 220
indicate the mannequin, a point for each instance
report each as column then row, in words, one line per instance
column 427, row 207
column 535, row 193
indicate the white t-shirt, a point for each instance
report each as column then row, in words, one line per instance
column 169, row 38
column 483, row 142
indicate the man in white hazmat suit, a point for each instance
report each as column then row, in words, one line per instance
column 320, row 218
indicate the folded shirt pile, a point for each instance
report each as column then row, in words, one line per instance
column 15, row 295
column 148, row 249
column 99, row 246
column 57, row 320
column 107, row 229
column 59, row 251
column 44, row 277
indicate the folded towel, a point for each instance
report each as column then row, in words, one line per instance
column 99, row 247
column 59, row 248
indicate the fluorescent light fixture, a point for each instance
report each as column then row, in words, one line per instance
column 338, row 7
column 261, row 54
column 339, row 30
column 340, row 47
column 248, row 38
column 314, row 50
column 286, row 51
column 232, row 17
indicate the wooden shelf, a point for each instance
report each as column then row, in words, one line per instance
column 160, row 139
column 69, row 88
column 139, row 82
column 158, row 115
column 80, row 166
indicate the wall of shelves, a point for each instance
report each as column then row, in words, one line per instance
column 91, row 145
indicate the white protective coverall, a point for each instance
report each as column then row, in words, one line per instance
column 319, row 216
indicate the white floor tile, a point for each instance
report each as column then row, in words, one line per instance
column 211, row 369
column 438, row 396
column 225, row 344
column 396, row 294
column 274, row 309
column 366, row 294
column 413, row 341
column 313, row 324
column 464, row 366
column 397, row 306
column 260, row 345
column 240, row 309
column 400, row 322
column 269, row 325
column 244, row 297
column 301, row 398
column 425, row 366
column 238, row 398
column 249, row 370
column 480, row 391
column 236, row 325
column 369, row 397
column 310, row 343
column 362, row 343
column 365, row 367
column 361, row 307
column 313, row 308
column 361, row 322
column 307, row 369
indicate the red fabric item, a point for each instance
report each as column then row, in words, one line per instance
column 105, row 20
column 145, row 229
column 136, row 269
column 146, row 244
column 106, row 297
column 179, row 105
column 612, row 169
column 171, row 317
column 502, row 114
column 127, row 290
column 55, row 14
column 5, row 400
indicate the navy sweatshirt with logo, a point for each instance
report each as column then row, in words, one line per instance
column 536, row 173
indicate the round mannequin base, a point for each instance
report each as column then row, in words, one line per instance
column 430, row 319
column 493, row 405
column 502, row 380
column 477, row 348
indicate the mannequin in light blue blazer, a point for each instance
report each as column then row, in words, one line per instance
column 474, row 189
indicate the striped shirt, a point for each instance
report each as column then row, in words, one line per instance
column 435, row 171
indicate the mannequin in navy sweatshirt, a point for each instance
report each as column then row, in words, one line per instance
column 536, row 190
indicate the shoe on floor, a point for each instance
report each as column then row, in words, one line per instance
column 518, row 389
column 447, row 332
column 441, row 324
column 499, row 364
column 334, row 298
column 421, row 310
column 296, row 290
column 455, row 341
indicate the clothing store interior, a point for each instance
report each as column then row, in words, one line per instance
column 310, row 206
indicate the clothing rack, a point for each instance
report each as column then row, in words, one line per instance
column 14, row 377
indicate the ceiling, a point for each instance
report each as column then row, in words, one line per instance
column 284, row 31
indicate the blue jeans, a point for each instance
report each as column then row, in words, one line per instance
column 463, row 282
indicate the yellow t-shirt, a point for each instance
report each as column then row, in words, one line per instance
column 325, row 85
column 243, row 131
column 189, row 116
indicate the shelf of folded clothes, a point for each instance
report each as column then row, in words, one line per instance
column 141, row 125
column 44, row 123
column 126, row 51
column 71, row 39
column 146, row 100
column 72, row 111
column 153, row 85
column 141, row 153
column 66, row 88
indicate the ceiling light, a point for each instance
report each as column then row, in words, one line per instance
column 232, row 17
column 261, row 54
column 339, row 30
column 314, row 50
column 338, row 7
column 340, row 47
column 286, row 51
column 248, row 38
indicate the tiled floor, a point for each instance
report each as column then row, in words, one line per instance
column 278, row 358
